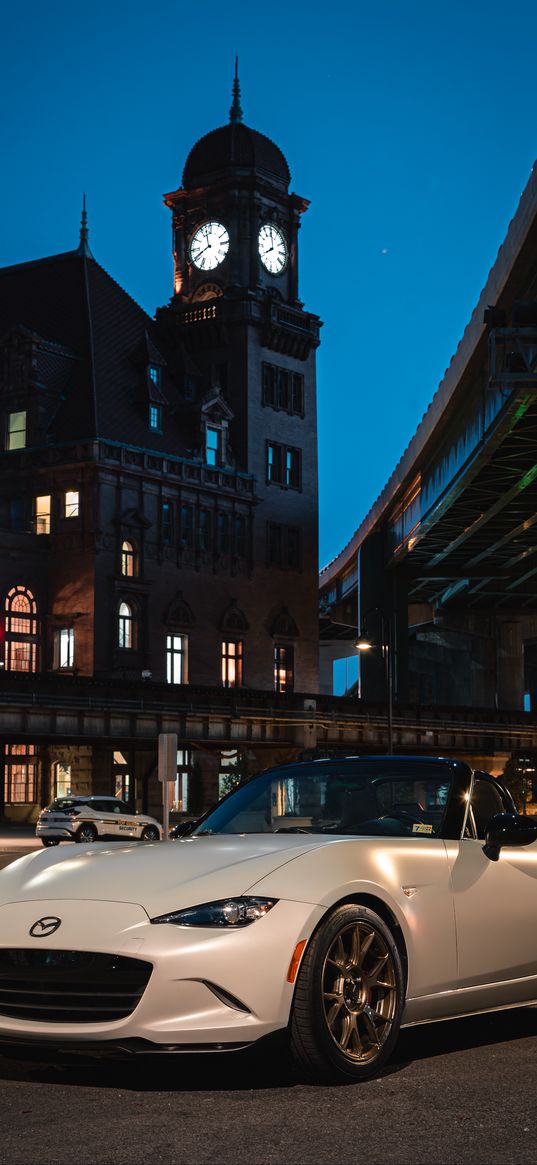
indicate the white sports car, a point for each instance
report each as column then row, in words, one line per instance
column 335, row 901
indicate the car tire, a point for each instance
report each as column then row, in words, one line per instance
column 150, row 833
column 349, row 997
column 86, row 834
column 50, row 841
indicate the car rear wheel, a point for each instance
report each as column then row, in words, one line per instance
column 86, row 834
column 50, row 841
column 349, row 997
column 150, row 833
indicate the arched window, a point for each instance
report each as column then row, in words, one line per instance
column 20, row 652
column 126, row 626
column 129, row 560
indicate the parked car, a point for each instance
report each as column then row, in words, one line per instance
column 333, row 901
column 88, row 819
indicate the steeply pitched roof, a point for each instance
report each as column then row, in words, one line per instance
column 69, row 299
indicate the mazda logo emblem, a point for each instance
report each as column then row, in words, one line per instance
column 45, row 926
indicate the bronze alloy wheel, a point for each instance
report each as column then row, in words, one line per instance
column 349, row 997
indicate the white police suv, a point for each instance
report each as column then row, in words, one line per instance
column 87, row 819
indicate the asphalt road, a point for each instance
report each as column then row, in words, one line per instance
column 457, row 1092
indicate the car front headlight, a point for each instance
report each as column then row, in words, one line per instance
column 227, row 912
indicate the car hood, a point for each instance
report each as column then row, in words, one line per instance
column 159, row 877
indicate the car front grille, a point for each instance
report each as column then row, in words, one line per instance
column 70, row 986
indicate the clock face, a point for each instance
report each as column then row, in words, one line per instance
column 209, row 246
column 272, row 249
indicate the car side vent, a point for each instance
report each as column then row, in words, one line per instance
column 226, row 997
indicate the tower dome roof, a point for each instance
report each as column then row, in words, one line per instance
column 234, row 147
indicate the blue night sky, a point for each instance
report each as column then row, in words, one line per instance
column 410, row 127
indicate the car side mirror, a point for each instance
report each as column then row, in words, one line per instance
column 508, row 829
column 184, row 828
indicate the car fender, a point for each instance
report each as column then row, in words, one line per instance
column 410, row 877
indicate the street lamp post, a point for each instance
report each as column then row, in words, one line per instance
column 364, row 643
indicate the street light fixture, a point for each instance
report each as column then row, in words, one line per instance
column 365, row 643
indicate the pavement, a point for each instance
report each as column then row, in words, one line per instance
column 14, row 837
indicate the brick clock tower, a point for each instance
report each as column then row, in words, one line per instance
column 246, row 347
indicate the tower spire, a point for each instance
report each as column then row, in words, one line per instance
column 235, row 113
column 83, row 246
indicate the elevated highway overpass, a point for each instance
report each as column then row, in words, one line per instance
column 441, row 574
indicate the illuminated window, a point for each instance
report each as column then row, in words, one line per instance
column 155, row 374
column 128, row 560
column 155, row 418
column 20, row 774
column 42, row 514
column 20, row 648
column 16, row 430
column 72, row 503
column 232, row 656
column 122, row 780
column 177, row 659
column 126, row 627
column 64, row 647
column 62, row 779
column 283, row 667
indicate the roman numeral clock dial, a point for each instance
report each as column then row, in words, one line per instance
column 272, row 249
column 209, row 246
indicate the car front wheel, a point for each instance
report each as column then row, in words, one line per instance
column 349, row 997
column 150, row 833
column 86, row 834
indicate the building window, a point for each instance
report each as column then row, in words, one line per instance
column 187, row 527
column 283, row 465
column 213, row 445
column 129, row 560
column 62, row 779
column 72, row 503
column 283, row 389
column 223, row 533
column 232, row 657
column 177, row 659
column 126, row 626
column 167, row 523
column 155, row 418
column 180, row 793
column 16, row 430
column 205, row 530
column 155, row 374
column 283, row 546
column 283, row 667
column 64, row 648
column 20, row 648
column 42, row 514
column 240, row 536
column 122, row 778
column 20, row 773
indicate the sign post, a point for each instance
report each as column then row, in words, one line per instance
column 167, row 775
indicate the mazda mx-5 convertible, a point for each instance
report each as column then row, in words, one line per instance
column 334, row 901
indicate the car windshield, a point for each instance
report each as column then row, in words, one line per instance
column 367, row 800
column 63, row 803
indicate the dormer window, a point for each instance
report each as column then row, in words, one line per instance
column 155, row 418
column 155, row 374
column 213, row 445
